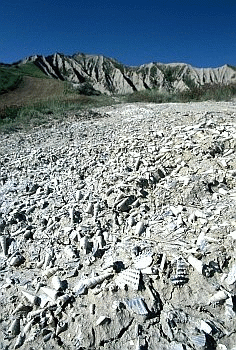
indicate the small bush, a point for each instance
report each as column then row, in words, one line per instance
column 153, row 95
column 215, row 92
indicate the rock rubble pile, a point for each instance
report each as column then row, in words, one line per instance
column 118, row 229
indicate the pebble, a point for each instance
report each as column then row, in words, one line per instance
column 118, row 231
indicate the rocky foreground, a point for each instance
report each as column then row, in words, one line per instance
column 118, row 229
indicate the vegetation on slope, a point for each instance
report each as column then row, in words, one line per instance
column 11, row 76
column 17, row 117
column 215, row 92
column 8, row 80
column 29, row 98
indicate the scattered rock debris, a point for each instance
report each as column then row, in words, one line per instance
column 118, row 231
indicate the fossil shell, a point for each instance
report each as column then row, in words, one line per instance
column 222, row 347
column 136, row 203
column 139, row 228
column 98, row 243
column 47, row 260
column 178, row 316
column 52, row 293
column 106, row 236
column 51, row 321
column 137, row 164
column 16, row 260
column 205, row 327
column 199, row 340
column 3, row 242
column 86, row 283
column 180, row 275
column 231, row 278
column 71, row 214
column 191, row 218
column 78, row 195
column 89, row 209
column 102, row 319
column 131, row 221
column 35, row 313
column 109, row 191
column 40, row 264
column 123, row 205
column 196, row 264
column 33, row 299
column 218, row 297
column 56, row 283
column 50, row 271
column 27, row 327
column 137, row 305
column 61, row 327
column 92, row 282
column 14, row 328
column 96, row 209
column 63, row 299
column 84, row 243
column 163, row 262
column 21, row 308
column 143, row 262
column 19, row 341
column 92, row 309
column 48, row 336
column 129, row 277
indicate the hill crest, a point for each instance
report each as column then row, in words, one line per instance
column 100, row 74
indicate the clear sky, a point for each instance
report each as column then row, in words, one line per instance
column 201, row 33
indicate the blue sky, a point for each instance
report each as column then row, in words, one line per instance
column 201, row 33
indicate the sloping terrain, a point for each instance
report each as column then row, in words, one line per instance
column 26, row 84
column 109, row 76
column 93, row 74
column 31, row 89
column 11, row 75
column 118, row 229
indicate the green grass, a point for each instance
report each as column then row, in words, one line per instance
column 63, row 101
column 153, row 95
column 8, row 80
column 13, row 118
column 215, row 92
column 30, row 69
column 11, row 76
column 207, row 92
column 25, row 117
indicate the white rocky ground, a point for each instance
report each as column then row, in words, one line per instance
column 118, row 230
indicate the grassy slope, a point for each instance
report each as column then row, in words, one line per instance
column 26, row 84
column 8, row 80
column 11, row 76
column 28, row 97
column 30, row 90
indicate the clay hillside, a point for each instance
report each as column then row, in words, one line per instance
column 106, row 75
column 98, row 74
